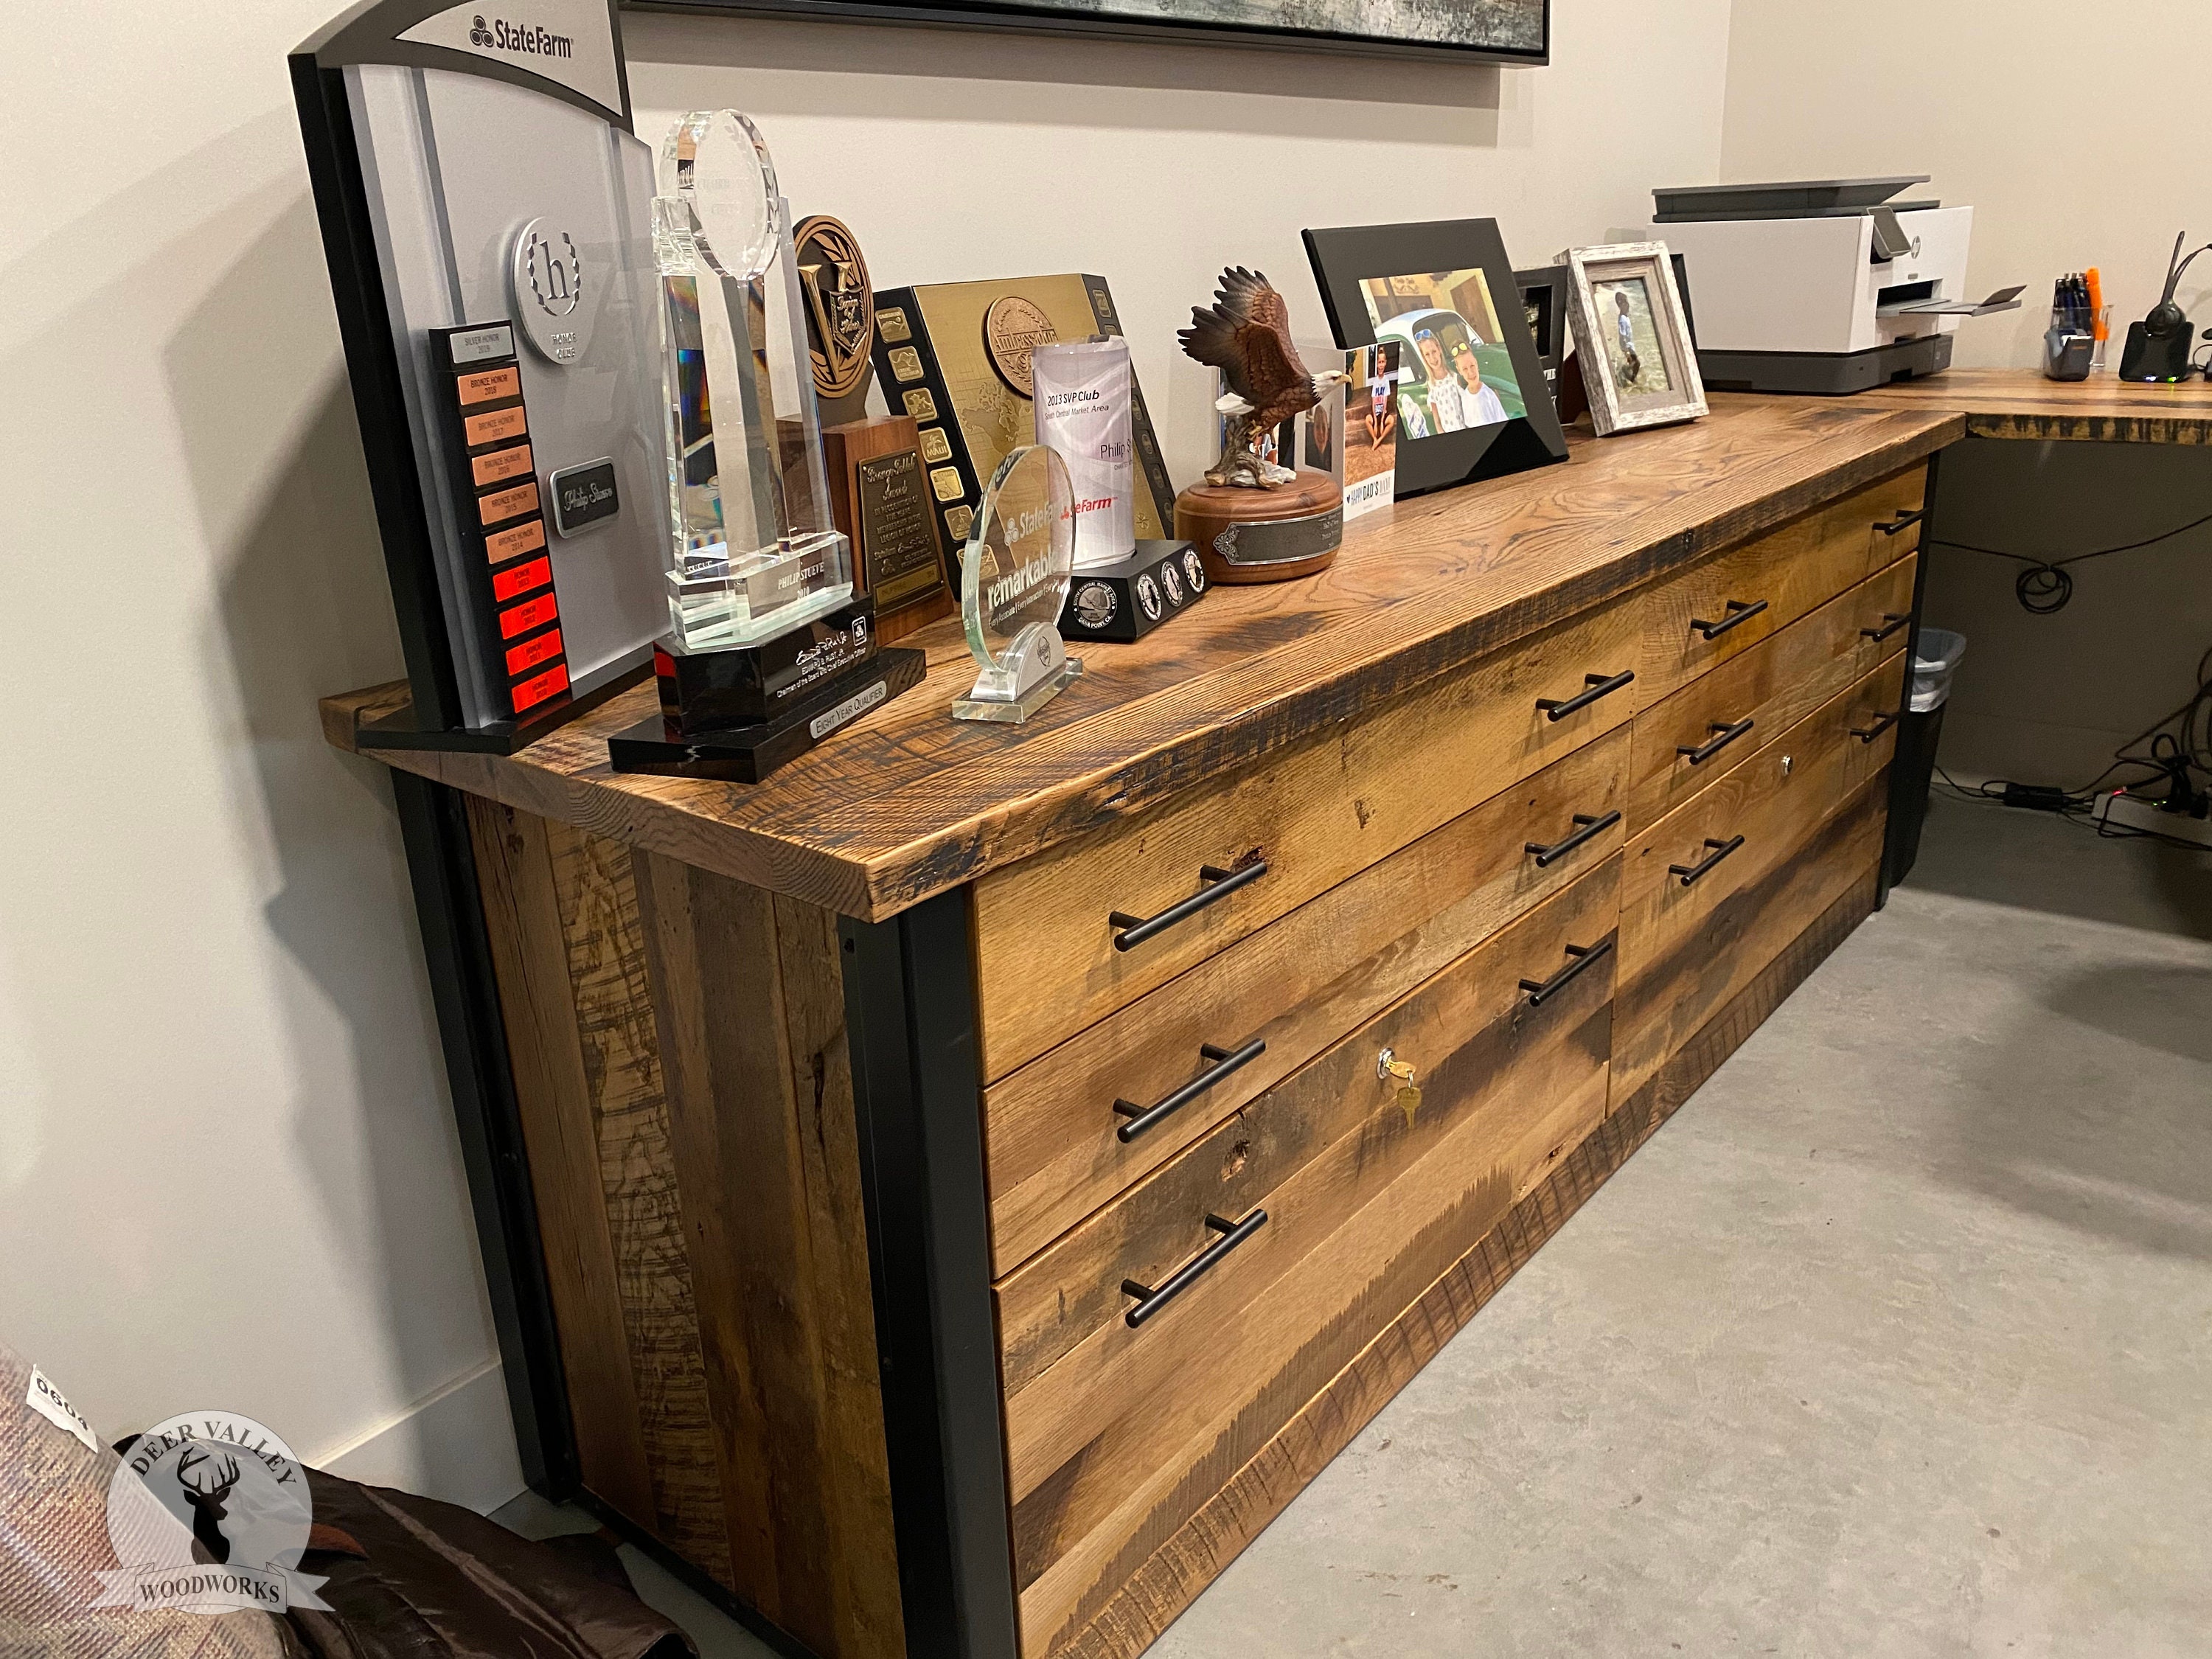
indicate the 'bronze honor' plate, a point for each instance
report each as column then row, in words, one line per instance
column 841, row 308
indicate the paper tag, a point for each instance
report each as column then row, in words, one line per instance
column 47, row 1400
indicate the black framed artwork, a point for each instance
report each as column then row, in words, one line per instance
column 1473, row 402
column 1477, row 31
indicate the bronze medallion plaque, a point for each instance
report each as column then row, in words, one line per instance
column 1012, row 328
column 840, row 313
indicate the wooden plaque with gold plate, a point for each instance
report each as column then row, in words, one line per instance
column 878, row 483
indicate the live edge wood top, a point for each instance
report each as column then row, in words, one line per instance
column 2019, row 403
column 908, row 802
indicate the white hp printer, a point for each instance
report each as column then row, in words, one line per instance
column 1822, row 285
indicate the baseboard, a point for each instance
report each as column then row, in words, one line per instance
column 1171, row 1577
column 456, row 1445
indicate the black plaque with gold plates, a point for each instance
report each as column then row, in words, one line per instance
column 956, row 357
column 878, row 483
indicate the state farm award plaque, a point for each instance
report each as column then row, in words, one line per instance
column 879, row 482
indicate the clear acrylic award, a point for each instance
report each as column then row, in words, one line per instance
column 754, row 550
column 1016, row 568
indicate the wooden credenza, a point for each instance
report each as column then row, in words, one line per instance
column 953, row 1196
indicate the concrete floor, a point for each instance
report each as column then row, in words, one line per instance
column 1897, row 1339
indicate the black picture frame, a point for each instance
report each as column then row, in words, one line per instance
column 1543, row 303
column 1346, row 257
column 1060, row 17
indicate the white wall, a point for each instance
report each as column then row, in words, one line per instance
column 962, row 155
column 2069, row 130
column 228, row 1173
column 2044, row 118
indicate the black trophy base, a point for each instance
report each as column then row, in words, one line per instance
column 405, row 728
column 1120, row 602
column 713, row 691
column 747, row 753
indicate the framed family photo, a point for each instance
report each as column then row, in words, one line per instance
column 1632, row 333
column 1470, row 399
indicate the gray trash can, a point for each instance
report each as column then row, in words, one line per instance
column 1935, row 658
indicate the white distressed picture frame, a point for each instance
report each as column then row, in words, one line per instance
column 1609, row 411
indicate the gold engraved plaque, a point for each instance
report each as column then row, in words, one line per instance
column 1012, row 328
column 945, row 481
column 892, row 325
column 894, row 536
column 958, row 522
column 906, row 363
column 935, row 446
column 841, row 306
column 920, row 404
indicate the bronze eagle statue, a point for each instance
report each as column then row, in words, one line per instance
column 1246, row 334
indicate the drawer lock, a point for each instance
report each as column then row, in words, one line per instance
column 1388, row 1065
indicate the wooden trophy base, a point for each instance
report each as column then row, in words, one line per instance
column 879, row 497
column 1264, row 535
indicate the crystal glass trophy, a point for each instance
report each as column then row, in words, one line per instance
column 754, row 550
column 1019, row 560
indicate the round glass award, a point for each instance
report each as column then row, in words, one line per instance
column 716, row 161
column 1016, row 570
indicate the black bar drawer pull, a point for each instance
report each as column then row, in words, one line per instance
column 1151, row 1301
column 1891, row 622
column 1723, row 736
column 1142, row 1118
column 1905, row 518
column 1600, row 685
column 1882, row 722
column 1720, row 849
column 1581, row 957
column 1219, row 885
column 1738, row 612
column 1585, row 827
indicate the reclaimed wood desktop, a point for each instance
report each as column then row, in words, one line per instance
column 2020, row 403
column 830, row 1252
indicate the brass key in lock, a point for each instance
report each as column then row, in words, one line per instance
column 1388, row 1065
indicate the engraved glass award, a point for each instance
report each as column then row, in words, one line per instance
column 1020, row 559
column 754, row 550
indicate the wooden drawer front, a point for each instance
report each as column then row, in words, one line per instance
column 1793, row 570
column 1052, row 1150
column 1116, row 1435
column 1679, row 945
column 1721, row 719
column 1045, row 958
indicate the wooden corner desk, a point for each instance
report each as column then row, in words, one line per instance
column 949, row 1197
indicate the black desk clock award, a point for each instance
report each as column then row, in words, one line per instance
column 486, row 215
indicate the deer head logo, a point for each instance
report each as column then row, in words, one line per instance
column 210, row 1502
